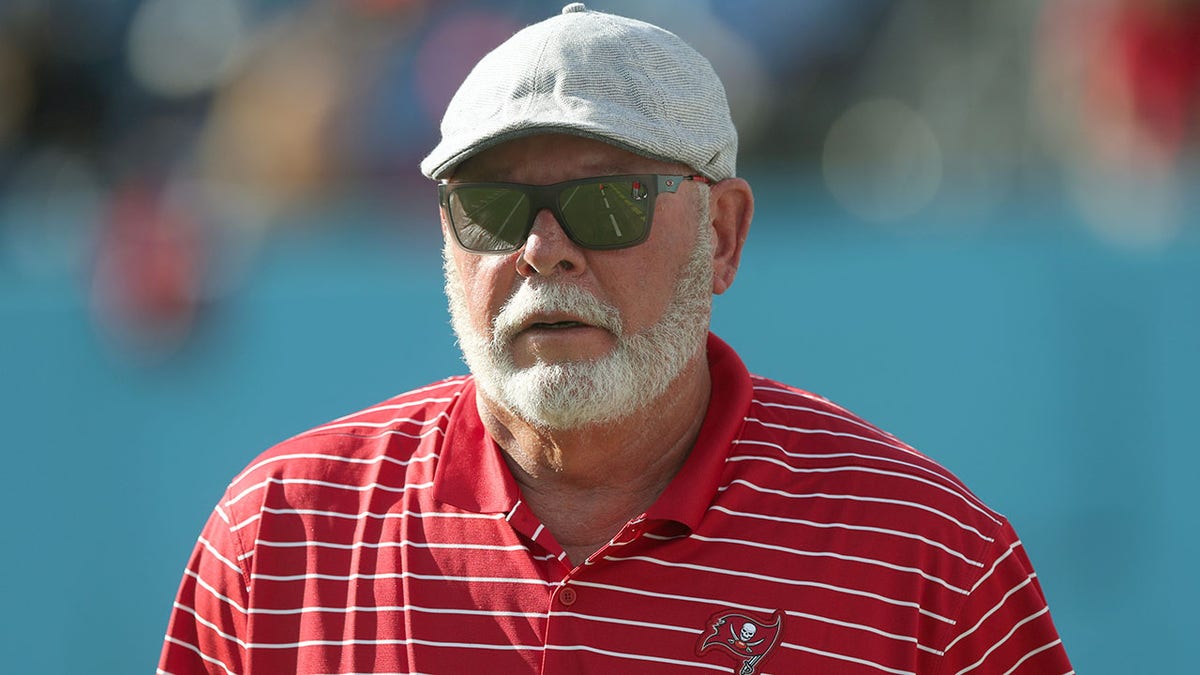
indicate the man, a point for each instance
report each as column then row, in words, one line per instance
column 609, row 491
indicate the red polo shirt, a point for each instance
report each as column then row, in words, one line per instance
column 795, row 539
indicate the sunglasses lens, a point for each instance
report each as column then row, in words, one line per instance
column 604, row 213
column 489, row 219
column 609, row 213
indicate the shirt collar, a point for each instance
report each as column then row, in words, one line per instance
column 472, row 475
column 691, row 491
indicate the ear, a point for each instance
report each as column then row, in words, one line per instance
column 731, row 207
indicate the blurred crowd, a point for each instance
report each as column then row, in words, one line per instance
column 147, row 147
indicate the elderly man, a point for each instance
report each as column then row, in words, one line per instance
column 609, row 491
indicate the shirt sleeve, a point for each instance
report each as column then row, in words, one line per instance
column 1004, row 625
column 207, row 628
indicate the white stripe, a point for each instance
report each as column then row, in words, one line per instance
column 386, row 544
column 1032, row 654
column 385, row 433
column 996, row 564
column 401, row 405
column 408, row 641
column 455, row 382
column 321, row 483
column 897, row 445
column 359, row 516
column 765, row 610
column 613, row 220
column 845, row 418
column 201, row 654
column 792, row 392
column 858, row 498
column 955, row 492
column 210, row 625
column 637, row 657
column 329, row 457
column 863, row 528
column 843, row 657
column 629, row 622
column 995, row 608
column 511, row 512
column 246, row 522
column 764, row 577
column 401, row 575
column 212, row 590
column 857, row 626
column 386, row 424
column 840, row 455
column 1002, row 640
column 392, row 608
column 659, row 537
column 830, row 432
column 837, row 556
column 212, row 550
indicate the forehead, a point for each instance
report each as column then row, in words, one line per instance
column 551, row 158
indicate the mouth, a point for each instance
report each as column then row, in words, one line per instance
column 546, row 323
column 556, row 325
column 553, row 312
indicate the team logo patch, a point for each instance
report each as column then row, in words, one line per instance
column 742, row 637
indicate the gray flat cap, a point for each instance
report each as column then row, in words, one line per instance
column 625, row 82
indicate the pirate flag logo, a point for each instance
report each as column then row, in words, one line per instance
column 742, row 637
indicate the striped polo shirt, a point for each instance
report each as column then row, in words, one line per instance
column 796, row 538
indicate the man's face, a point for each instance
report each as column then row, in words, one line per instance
column 564, row 336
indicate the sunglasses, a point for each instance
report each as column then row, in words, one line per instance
column 600, row 213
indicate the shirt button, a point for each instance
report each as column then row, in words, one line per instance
column 567, row 596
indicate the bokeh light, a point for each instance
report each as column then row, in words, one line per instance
column 16, row 83
column 882, row 161
column 180, row 48
column 51, row 228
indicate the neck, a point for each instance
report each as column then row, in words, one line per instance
column 585, row 484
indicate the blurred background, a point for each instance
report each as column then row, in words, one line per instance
column 975, row 227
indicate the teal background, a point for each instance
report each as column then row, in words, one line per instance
column 1054, row 374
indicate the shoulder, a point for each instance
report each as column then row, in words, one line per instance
column 789, row 419
column 800, row 444
column 353, row 450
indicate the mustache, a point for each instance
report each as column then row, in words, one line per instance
column 530, row 300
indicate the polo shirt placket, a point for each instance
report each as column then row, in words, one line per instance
column 573, row 612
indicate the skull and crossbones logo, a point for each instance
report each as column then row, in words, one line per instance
column 741, row 640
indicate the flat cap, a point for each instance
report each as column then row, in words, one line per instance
column 618, row 80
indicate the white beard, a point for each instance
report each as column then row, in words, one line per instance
column 575, row 394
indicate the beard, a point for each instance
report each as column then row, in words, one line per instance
column 575, row 394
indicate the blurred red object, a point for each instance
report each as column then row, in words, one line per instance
column 149, row 270
column 1155, row 51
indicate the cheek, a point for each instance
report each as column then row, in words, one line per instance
column 656, row 275
column 641, row 292
column 484, row 287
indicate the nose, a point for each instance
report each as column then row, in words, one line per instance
column 548, row 250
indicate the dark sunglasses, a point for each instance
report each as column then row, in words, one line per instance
column 601, row 213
